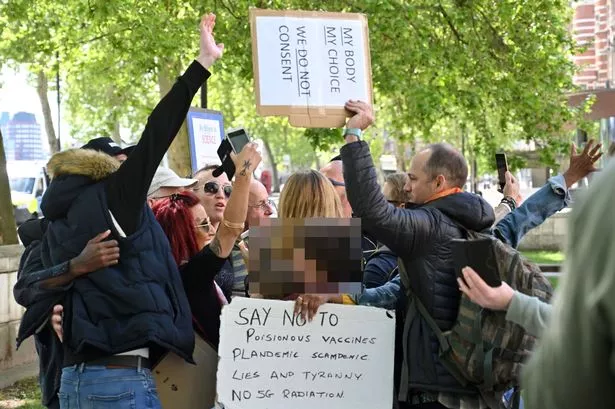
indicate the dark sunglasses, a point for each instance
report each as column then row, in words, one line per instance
column 214, row 187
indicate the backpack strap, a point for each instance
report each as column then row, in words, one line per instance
column 415, row 307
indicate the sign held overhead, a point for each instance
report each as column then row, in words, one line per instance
column 307, row 65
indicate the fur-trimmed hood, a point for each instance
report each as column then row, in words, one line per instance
column 72, row 171
column 83, row 162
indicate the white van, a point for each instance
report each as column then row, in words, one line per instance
column 28, row 182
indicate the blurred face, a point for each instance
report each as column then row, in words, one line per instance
column 421, row 186
column 213, row 194
column 202, row 225
column 259, row 206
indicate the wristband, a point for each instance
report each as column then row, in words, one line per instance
column 353, row 131
column 510, row 202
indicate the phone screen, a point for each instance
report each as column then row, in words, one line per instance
column 479, row 255
column 502, row 165
column 238, row 139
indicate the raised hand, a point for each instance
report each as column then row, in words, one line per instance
column 583, row 164
column 363, row 115
column 209, row 51
column 511, row 189
column 247, row 160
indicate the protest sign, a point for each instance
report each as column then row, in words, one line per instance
column 205, row 133
column 270, row 358
column 308, row 64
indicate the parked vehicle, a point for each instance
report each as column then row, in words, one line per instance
column 28, row 182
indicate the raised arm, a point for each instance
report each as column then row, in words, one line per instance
column 127, row 188
column 550, row 199
column 404, row 231
column 232, row 224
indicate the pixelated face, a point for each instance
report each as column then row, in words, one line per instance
column 316, row 255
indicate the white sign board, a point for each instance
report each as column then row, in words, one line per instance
column 205, row 131
column 313, row 61
column 270, row 358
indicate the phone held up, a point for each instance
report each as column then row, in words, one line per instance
column 235, row 140
column 480, row 255
column 502, row 165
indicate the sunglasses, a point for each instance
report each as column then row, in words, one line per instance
column 214, row 187
column 206, row 227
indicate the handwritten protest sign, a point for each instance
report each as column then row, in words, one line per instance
column 205, row 131
column 270, row 358
column 308, row 64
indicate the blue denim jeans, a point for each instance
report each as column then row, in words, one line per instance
column 97, row 387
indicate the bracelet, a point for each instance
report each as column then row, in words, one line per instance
column 510, row 202
column 233, row 225
column 353, row 131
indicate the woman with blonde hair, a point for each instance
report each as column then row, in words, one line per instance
column 309, row 194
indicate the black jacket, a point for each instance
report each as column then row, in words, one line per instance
column 422, row 238
column 134, row 304
column 39, row 303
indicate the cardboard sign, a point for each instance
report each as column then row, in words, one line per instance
column 270, row 358
column 307, row 65
column 181, row 385
column 205, row 132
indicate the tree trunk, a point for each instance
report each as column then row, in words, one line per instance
column 42, row 86
column 400, row 156
column 274, row 166
column 8, row 232
column 115, row 135
column 179, row 152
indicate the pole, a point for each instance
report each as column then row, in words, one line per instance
column 58, row 94
column 204, row 96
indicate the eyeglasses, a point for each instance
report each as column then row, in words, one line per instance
column 336, row 183
column 214, row 187
column 206, row 227
column 264, row 204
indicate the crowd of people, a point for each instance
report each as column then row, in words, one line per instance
column 131, row 261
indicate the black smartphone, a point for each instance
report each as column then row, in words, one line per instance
column 502, row 165
column 238, row 138
column 234, row 142
column 480, row 255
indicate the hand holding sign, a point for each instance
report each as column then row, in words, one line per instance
column 363, row 115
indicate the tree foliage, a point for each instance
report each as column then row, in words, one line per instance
column 497, row 68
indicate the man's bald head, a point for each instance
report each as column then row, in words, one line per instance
column 259, row 206
column 334, row 171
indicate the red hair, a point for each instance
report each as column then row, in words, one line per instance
column 174, row 215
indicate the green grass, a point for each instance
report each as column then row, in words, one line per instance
column 544, row 257
column 25, row 394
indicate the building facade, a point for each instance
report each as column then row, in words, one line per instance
column 22, row 137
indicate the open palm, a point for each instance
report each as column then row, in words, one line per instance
column 209, row 50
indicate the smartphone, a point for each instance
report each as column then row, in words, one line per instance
column 502, row 165
column 238, row 138
column 480, row 255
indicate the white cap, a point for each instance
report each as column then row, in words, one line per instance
column 165, row 177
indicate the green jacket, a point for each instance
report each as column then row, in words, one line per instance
column 574, row 365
